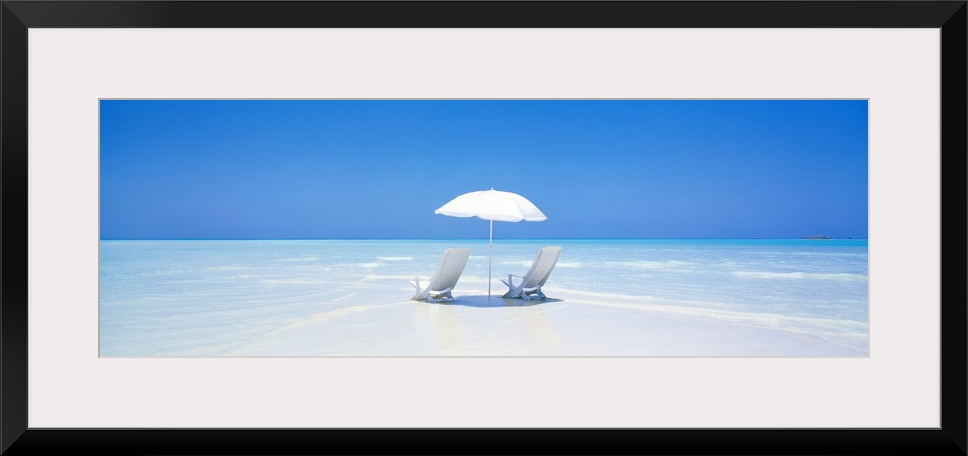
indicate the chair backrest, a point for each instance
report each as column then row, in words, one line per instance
column 544, row 262
column 450, row 268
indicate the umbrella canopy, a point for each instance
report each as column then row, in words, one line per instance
column 492, row 205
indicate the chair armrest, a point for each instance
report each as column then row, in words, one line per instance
column 510, row 283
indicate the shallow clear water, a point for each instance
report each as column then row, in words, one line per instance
column 209, row 297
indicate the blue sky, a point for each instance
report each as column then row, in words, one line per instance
column 264, row 169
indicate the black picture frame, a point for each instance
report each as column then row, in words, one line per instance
column 16, row 438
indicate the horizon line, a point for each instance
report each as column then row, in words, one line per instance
column 476, row 239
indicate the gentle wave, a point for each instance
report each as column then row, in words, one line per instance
column 527, row 264
column 649, row 264
column 244, row 276
column 697, row 308
column 297, row 281
column 523, row 264
column 801, row 275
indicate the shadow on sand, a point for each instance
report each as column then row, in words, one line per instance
column 495, row 301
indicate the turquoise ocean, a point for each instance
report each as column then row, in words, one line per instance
column 217, row 297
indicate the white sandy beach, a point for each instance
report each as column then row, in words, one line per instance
column 377, row 322
column 352, row 298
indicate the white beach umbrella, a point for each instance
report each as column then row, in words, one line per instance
column 492, row 205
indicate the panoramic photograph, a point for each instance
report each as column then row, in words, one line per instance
column 483, row 228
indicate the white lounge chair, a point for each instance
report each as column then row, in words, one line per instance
column 532, row 282
column 448, row 271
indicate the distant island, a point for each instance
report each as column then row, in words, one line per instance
column 817, row 236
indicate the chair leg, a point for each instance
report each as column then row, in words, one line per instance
column 513, row 293
column 441, row 296
column 421, row 294
column 534, row 293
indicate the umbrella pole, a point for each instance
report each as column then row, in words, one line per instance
column 490, row 248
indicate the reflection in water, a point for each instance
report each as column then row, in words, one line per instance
column 545, row 339
column 447, row 327
column 441, row 322
column 474, row 326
